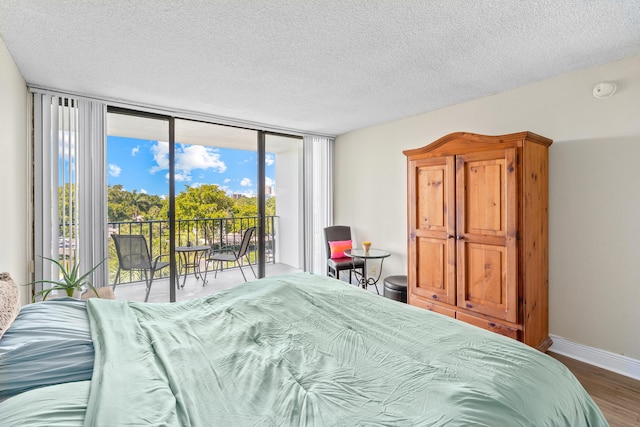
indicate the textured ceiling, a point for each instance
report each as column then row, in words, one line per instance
column 316, row 66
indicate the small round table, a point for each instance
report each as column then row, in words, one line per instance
column 364, row 279
column 187, row 262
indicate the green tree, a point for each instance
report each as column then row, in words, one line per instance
column 117, row 206
column 138, row 204
column 66, row 192
column 270, row 206
column 206, row 201
column 156, row 209
column 124, row 205
column 67, row 206
column 248, row 206
column 245, row 207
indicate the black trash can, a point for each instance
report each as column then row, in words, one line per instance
column 395, row 288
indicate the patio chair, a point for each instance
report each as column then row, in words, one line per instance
column 133, row 255
column 229, row 253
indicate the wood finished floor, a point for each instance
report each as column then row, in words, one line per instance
column 617, row 396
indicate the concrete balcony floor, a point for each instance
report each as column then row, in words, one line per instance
column 194, row 287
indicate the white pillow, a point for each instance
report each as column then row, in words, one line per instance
column 9, row 302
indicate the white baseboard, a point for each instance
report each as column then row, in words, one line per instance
column 617, row 363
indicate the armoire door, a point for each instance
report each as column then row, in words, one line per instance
column 432, row 247
column 487, row 224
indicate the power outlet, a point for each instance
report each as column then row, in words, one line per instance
column 373, row 270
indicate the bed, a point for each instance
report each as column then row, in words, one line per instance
column 294, row 350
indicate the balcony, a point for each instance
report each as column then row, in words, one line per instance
column 213, row 232
column 194, row 287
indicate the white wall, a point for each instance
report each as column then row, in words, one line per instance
column 289, row 206
column 14, row 190
column 594, row 192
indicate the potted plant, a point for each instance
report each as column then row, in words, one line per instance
column 71, row 280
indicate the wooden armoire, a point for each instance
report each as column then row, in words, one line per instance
column 478, row 232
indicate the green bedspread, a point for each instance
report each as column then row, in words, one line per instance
column 305, row 350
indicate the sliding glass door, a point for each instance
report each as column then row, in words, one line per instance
column 216, row 206
column 227, row 199
column 284, row 204
column 222, row 205
column 138, row 228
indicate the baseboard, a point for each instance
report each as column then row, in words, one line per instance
column 617, row 363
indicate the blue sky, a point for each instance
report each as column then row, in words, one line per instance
column 143, row 165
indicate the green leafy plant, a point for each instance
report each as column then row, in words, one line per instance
column 70, row 282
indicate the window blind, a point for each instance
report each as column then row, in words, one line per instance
column 318, row 159
column 69, row 185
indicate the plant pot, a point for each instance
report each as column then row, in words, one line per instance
column 70, row 293
column 62, row 293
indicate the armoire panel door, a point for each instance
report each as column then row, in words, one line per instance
column 435, row 274
column 487, row 230
column 432, row 229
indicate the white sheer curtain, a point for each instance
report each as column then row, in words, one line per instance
column 318, row 162
column 70, row 202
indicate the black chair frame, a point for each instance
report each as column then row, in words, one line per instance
column 133, row 255
column 231, row 253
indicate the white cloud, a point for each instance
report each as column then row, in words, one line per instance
column 180, row 177
column 135, row 150
column 269, row 181
column 227, row 180
column 199, row 157
column 183, row 177
column 188, row 157
column 248, row 159
column 114, row 170
column 269, row 159
column 161, row 156
column 246, row 182
column 143, row 191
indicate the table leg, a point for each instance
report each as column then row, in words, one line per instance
column 374, row 282
column 367, row 281
column 183, row 268
column 197, row 258
column 362, row 280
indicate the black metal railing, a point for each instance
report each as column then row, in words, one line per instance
column 213, row 232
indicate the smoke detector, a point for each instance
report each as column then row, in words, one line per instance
column 604, row 89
